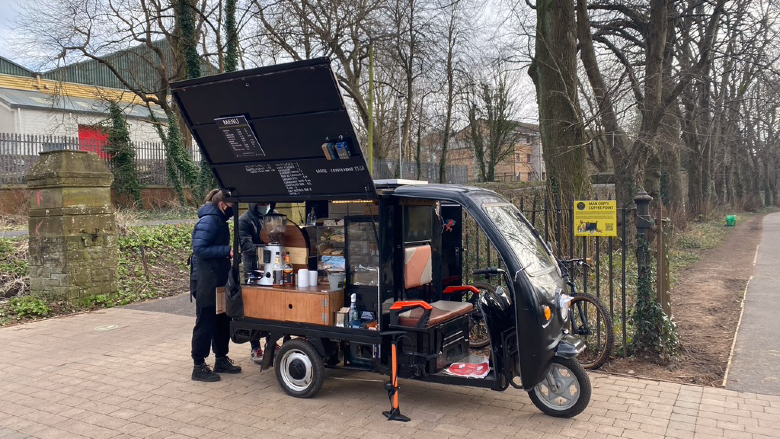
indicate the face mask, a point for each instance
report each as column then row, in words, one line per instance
column 228, row 211
column 262, row 210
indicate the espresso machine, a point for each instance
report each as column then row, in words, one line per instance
column 274, row 224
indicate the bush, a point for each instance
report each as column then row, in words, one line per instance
column 29, row 306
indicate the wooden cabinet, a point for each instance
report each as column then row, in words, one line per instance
column 314, row 305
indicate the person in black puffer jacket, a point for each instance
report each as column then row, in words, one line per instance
column 249, row 226
column 211, row 265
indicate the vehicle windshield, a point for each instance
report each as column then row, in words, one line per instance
column 530, row 251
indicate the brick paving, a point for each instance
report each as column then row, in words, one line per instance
column 80, row 376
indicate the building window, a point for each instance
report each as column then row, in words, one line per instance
column 517, row 157
column 528, row 158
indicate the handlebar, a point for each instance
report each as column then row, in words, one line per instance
column 576, row 261
column 491, row 271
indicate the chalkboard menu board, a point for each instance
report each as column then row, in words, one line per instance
column 239, row 136
column 278, row 133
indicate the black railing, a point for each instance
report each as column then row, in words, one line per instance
column 612, row 276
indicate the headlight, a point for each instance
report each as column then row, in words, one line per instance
column 564, row 301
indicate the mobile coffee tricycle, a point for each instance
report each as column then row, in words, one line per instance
column 282, row 134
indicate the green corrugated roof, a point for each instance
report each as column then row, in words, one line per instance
column 8, row 67
column 136, row 64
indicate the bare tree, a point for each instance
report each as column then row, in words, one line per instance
column 303, row 29
column 454, row 31
column 491, row 131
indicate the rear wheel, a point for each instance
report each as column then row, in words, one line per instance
column 564, row 391
column 478, row 331
column 591, row 323
column 299, row 368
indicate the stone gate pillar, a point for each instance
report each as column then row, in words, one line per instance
column 73, row 245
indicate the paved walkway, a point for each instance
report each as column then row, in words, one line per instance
column 756, row 362
column 17, row 233
column 124, row 373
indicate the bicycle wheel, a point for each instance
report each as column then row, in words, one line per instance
column 591, row 323
column 478, row 331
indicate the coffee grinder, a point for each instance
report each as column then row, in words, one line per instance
column 274, row 224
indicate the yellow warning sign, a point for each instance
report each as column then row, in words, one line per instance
column 595, row 218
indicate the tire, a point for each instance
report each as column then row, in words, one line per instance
column 598, row 335
column 566, row 402
column 299, row 368
column 478, row 333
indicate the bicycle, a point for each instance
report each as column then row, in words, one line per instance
column 589, row 320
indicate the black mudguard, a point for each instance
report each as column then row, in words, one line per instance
column 569, row 347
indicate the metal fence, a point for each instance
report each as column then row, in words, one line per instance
column 19, row 153
column 612, row 275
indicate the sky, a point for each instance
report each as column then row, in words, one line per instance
column 9, row 10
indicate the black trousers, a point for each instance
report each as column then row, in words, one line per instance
column 212, row 331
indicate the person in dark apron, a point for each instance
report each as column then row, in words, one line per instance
column 250, row 224
column 211, row 265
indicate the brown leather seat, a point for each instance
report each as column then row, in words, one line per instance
column 443, row 310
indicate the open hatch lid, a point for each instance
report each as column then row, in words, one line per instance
column 277, row 133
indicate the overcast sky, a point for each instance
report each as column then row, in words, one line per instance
column 9, row 10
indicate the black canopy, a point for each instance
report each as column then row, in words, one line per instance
column 277, row 133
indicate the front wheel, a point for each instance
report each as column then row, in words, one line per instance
column 565, row 391
column 300, row 370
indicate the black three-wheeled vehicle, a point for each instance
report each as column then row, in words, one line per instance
column 282, row 133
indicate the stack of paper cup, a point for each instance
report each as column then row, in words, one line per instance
column 303, row 277
column 313, row 278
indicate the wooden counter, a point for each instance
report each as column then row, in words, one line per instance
column 316, row 305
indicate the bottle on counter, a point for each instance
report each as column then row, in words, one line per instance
column 278, row 271
column 353, row 313
column 287, row 269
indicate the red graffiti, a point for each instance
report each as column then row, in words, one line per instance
column 38, row 194
column 38, row 227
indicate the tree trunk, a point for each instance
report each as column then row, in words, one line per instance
column 445, row 146
column 554, row 72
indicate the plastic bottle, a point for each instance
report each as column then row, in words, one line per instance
column 311, row 218
column 353, row 313
column 287, row 269
column 278, row 271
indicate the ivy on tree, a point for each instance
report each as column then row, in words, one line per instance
column 122, row 156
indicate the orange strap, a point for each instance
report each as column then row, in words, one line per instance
column 459, row 288
column 411, row 304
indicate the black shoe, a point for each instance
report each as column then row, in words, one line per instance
column 225, row 365
column 203, row 373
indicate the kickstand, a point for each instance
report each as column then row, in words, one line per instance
column 394, row 414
